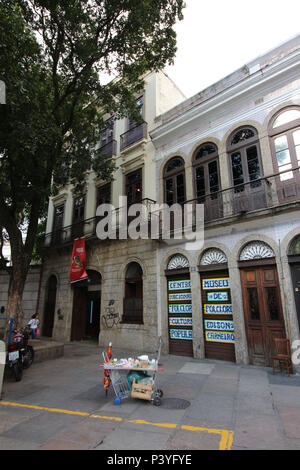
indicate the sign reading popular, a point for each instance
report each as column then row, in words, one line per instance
column 181, row 334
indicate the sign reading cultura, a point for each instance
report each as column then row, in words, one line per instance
column 181, row 321
column 219, row 283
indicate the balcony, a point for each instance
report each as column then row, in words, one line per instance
column 133, row 135
column 109, row 149
column 87, row 228
column 248, row 199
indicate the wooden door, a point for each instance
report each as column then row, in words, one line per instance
column 48, row 320
column 92, row 328
column 295, row 269
column 180, row 322
column 219, row 338
column 263, row 312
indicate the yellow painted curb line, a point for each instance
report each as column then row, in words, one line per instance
column 226, row 435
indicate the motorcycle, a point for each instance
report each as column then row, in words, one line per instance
column 20, row 353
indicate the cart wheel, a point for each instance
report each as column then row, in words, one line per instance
column 117, row 401
column 157, row 401
column 159, row 393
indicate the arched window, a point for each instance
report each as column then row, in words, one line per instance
column 207, row 180
column 284, row 131
column 133, row 301
column 206, row 172
column 244, row 153
column 174, row 181
column 295, row 246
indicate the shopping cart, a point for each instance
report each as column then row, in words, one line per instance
column 122, row 387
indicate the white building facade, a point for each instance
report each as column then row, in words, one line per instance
column 235, row 148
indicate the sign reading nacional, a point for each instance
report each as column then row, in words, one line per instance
column 219, row 337
column 179, row 285
column 180, row 296
column 180, row 321
column 217, row 296
column 219, row 283
column 180, row 308
column 219, row 325
column 181, row 334
column 218, row 309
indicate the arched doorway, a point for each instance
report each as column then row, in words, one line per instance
column 262, row 301
column 86, row 308
column 219, row 334
column 49, row 311
column 180, row 319
column 294, row 261
column 133, row 300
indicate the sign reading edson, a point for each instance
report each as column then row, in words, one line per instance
column 219, row 325
column 220, row 283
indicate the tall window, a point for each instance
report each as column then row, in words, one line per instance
column 107, row 133
column 133, row 301
column 206, row 172
column 244, row 154
column 134, row 187
column 58, row 223
column 284, row 130
column 174, row 181
column 78, row 216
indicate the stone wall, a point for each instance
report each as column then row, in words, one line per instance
column 30, row 296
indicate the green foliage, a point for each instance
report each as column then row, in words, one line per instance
column 66, row 64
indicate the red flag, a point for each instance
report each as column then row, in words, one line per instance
column 78, row 262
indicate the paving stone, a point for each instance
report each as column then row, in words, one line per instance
column 291, row 421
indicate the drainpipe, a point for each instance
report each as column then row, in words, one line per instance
column 39, row 288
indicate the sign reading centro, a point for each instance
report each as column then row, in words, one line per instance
column 220, row 283
column 179, row 285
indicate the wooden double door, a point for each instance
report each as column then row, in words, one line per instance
column 263, row 312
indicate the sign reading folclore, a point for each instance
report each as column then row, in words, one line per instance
column 180, row 321
column 217, row 316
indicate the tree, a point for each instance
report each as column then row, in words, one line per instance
column 55, row 58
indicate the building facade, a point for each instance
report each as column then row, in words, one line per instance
column 235, row 148
column 118, row 303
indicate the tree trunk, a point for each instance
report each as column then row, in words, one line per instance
column 14, row 303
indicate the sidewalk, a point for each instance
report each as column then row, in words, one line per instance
column 61, row 404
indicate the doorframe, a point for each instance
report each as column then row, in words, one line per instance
column 260, row 263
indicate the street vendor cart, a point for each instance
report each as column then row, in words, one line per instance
column 136, row 378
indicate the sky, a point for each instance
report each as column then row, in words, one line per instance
column 217, row 37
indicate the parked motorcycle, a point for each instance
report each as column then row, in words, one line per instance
column 20, row 353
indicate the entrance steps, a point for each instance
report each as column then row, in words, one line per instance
column 46, row 348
